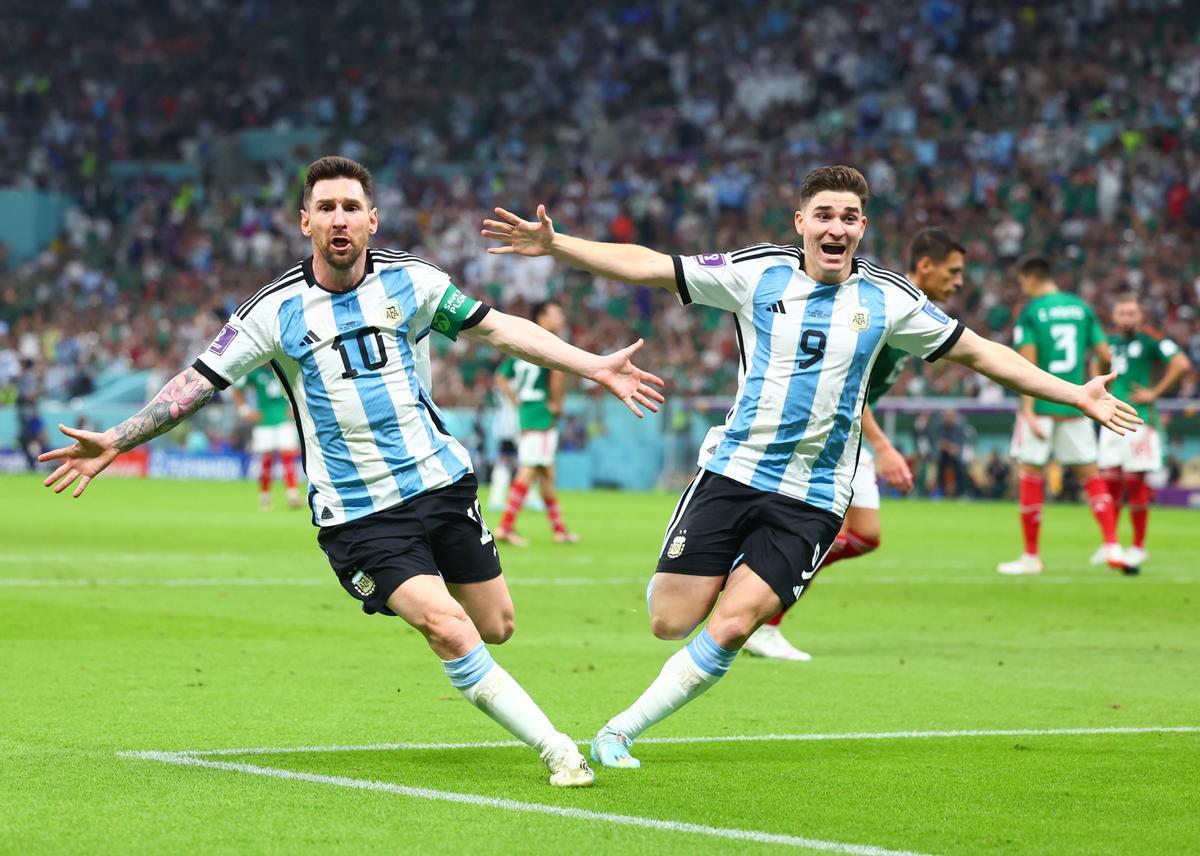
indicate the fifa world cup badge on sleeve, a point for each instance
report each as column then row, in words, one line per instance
column 224, row 338
column 711, row 260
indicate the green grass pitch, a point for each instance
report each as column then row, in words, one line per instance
column 170, row 616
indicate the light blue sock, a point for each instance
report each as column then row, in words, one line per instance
column 688, row 673
column 469, row 670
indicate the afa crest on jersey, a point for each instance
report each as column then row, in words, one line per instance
column 860, row 319
column 391, row 312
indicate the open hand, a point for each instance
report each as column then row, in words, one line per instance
column 1102, row 406
column 895, row 470
column 523, row 237
column 622, row 378
column 84, row 459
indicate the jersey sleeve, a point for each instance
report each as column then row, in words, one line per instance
column 712, row 279
column 507, row 368
column 445, row 309
column 1166, row 349
column 1022, row 335
column 1095, row 330
column 242, row 345
column 923, row 329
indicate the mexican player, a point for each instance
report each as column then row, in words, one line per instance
column 1137, row 353
column 1060, row 333
column 935, row 265
column 274, row 431
column 537, row 393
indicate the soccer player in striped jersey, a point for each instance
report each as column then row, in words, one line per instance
column 391, row 490
column 1124, row 462
column 935, row 265
column 775, row 480
column 1061, row 334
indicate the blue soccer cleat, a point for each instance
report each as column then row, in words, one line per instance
column 610, row 748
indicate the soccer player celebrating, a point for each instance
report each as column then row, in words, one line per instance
column 1125, row 461
column 936, row 267
column 392, row 491
column 274, row 431
column 538, row 394
column 1060, row 333
column 774, row 483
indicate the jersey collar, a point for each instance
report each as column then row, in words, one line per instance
column 307, row 267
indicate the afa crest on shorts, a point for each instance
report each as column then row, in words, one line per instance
column 363, row 583
column 677, row 545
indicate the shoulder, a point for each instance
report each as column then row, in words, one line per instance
column 768, row 254
column 274, row 292
column 1153, row 334
column 388, row 259
column 889, row 281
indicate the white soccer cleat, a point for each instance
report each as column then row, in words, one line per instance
column 1027, row 564
column 1100, row 557
column 1114, row 556
column 610, row 748
column 1135, row 557
column 767, row 641
column 568, row 768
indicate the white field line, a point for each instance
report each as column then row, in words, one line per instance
column 724, row 738
column 527, row 807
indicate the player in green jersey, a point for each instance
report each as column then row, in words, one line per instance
column 935, row 265
column 537, row 394
column 274, row 431
column 1060, row 333
column 1137, row 352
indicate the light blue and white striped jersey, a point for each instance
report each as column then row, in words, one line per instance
column 806, row 354
column 356, row 365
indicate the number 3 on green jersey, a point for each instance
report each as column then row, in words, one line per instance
column 1064, row 330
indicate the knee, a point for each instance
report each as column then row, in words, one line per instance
column 444, row 629
column 666, row 627
column 497, row 629
column 732, row 631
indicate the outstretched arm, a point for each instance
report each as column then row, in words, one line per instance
column 91, row 452
column 1007, row 367
column 627, row 262
column 615, row 372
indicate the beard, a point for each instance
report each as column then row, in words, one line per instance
column 345, row 261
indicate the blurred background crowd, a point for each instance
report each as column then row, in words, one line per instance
column 1068, row 128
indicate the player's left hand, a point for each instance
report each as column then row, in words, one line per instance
column 1141, row 395
column 617, row 373
column 895, row 470
column 1102, row 406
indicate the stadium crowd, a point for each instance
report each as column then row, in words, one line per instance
column 1063, row 127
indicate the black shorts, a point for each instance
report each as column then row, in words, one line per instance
column 720, row 523
column 440, row 532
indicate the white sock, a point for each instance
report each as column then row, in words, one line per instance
column 687, row 674
column 486, row 685
column 501, row 482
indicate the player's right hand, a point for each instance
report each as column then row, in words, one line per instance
column 895, row 469
column 84, row 459
column 1030, row 417
column 523, row 237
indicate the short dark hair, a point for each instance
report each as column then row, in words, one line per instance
column 1126, row 297
column 334, row 166
column 540, row 308
column 845, row 178
column 1036, row 266
column 934, row 244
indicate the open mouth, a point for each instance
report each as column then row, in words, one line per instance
column 340, row 243
column 838, row 250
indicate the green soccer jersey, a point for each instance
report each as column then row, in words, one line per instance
column 532, row 385
column 1134, row 356
column 1064, row 330
column 269, row 397
column 885, row 372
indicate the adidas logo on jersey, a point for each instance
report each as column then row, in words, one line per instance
column 310, row 338
column 778, row 307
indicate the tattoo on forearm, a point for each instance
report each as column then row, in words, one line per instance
column 183, row 395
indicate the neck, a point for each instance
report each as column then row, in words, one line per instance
column 814, row 273
column 335, row 279
column 1045, row 288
